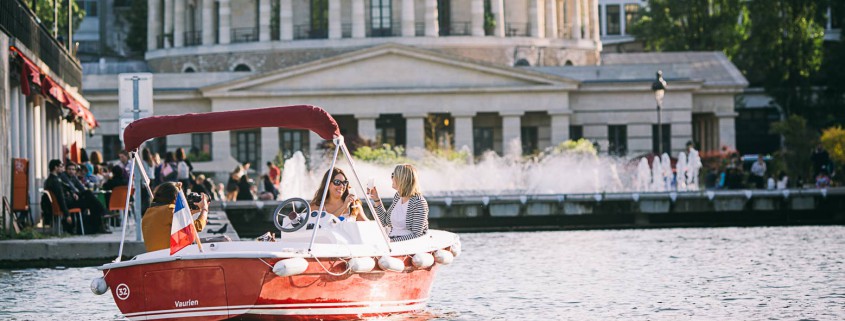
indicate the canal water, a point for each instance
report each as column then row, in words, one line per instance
column 761, row 273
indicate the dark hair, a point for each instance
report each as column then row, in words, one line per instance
column 96, row 158
column 123, row 152
column 165, row 193
column 117, row 172
column 53, row 164
column 147, row 156
column 269, row 163
column 180, row 154
column 319, row 194
column 168, row 157
column 83, row 155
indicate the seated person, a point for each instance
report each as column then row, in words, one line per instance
column 339, row 201
column 157, row 220
column 116, row 180
column 407, row 216
column 77, row 196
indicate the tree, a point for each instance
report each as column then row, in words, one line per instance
column 682, row 25
column 798, row 141
column 136, row 40
column 833, row 140
column 44, row 10
column 784, row 50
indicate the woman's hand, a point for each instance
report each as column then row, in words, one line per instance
column 372, row 193
column 349, row 199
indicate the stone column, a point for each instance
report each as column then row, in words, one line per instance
column 222, row 150
column 168, row 22
column 560, row 126
column 367, row 126
column 512, row 132
column 415, row 131
column 408, row 29
column 594, row 20
column 179, row 23
column 335, row 27
column 225, row 22
column 269, row 146
column 207, row 22
column 551, row 19
column 498, row 8
column 477, row 19
column 537, row 19
column 727, row 129
column 358, row 24
column 464, row 130
column 153, row 26
column 286, row 20
column 576, row 19
column 264, row 21
column 14, row 124
column 431, row 25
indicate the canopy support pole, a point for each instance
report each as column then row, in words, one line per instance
column 126, row 207
column 338, row 141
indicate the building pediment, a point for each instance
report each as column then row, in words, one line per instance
column 388, row 68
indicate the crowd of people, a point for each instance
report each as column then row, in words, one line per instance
column 731, row 174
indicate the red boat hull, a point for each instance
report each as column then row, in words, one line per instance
column 247, row 289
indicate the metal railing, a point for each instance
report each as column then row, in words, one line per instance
column 517, row 29
column 18, row 21
column 394, row 30
column 193, row 38
column 305, row 32
column 419, row 29
column 346, row 30
column 248, row 34
column 459, row 28
column 160, row 40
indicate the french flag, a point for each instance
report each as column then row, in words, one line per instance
column 182, row 230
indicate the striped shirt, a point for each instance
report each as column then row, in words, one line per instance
column 416, row 218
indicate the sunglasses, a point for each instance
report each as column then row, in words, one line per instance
column 337, row 182
column 391, row 175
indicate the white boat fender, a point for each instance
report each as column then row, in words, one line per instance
column 362, row 264
column 392, row 264
column 443, row 257
column 291, row 266
column 422, row 260
column 456, row 249
column 99, row 286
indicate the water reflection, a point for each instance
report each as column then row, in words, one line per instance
column 786, row 273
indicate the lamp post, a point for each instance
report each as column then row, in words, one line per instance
column 659, row 88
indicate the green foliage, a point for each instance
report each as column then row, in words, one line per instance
column 279, row 160
column 199, row 157
column 489, row 19
column 44, row 11
column 27, row 233
column 451, row 155
column 385, row 155
column 833, row 140
column 682, row 25
column 579, row 147
column 798, row 142
column 137, row 37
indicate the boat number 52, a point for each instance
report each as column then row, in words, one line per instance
column 122, row 291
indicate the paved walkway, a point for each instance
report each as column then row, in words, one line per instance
column 93, row 249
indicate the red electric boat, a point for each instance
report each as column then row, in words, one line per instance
column 319, row 268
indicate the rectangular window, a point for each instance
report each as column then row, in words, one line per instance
column 666, row 132
column 380, row 17
column 613, row 17
column 576, row 132
column 90, row 7
column 602, row 30
column 835, row 17
column 111, row 146
column 293, row 141
column 201, row 146
column 529, row 140
column 483, row 139
column 617, row 136
column 631, row 16
column 246, row 146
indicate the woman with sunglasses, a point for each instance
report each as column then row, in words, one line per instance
column 339, row 201
column 408, row 213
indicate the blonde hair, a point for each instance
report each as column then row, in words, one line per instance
column 406, row 180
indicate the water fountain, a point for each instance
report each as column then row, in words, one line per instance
column 681, row 172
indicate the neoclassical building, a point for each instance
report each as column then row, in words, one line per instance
column 483, row 75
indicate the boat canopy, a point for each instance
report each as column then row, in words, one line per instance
column 293, row 117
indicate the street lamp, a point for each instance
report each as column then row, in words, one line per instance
column 659, row 88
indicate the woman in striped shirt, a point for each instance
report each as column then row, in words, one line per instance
column 407, row 216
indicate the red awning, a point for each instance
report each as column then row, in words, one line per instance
column 29, row 73
column 294, row 117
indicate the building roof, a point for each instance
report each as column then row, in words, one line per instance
column 711, row 68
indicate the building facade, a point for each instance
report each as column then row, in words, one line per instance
column 506, row 76
column 43, row 114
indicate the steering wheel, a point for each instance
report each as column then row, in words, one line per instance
column 291, row 215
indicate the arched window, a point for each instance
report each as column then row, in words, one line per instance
column 242, row 67
column 568, row 63
column 522, row 63
column 189, row 70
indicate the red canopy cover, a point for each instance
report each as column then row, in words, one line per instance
column 294, row 117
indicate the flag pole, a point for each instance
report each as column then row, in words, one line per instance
column 193, row 227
